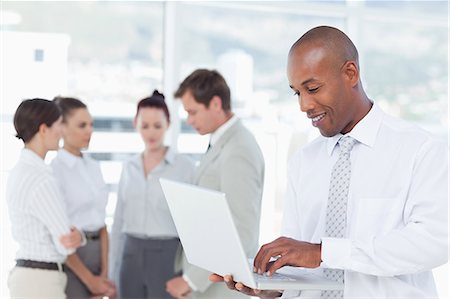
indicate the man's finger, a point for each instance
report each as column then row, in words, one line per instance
column 215, row 278
column 229, row 282
column 267, row 251
column 259, row 257
column 274, row 266
column 264, row 261
column 245, row 289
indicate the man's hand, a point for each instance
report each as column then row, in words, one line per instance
column 178, row 288
column 72, row 239
column 290, row 252
column 232, row 285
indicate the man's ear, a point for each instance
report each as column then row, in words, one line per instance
column 351, row 71
column 216, row 103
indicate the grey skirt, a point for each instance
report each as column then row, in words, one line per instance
column 90, row 255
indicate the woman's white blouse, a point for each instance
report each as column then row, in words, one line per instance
column 84, row 191
column 37, row 214
column 141, row 208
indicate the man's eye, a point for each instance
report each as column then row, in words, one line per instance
column 313, row 90
column 296, row 93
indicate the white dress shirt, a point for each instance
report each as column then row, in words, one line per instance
column 38, row 217
column 397, row 208
column 84, row 191
column 215, row 136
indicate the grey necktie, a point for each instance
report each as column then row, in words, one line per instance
column 336, row 219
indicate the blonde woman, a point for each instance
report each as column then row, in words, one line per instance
column 85, row 195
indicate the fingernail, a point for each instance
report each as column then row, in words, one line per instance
column 259, row 271
column 254, row 269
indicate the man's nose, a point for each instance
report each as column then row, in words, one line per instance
column 306, row 103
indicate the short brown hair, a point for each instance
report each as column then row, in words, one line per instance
column 204, row 85
column 31, row 114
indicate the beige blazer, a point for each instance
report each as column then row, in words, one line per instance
column 235, row 166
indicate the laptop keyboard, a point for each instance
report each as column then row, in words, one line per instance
column 265, row 277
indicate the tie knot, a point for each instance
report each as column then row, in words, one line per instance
column 346, row 144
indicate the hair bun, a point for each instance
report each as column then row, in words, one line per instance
column 156, row 94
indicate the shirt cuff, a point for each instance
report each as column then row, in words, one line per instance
column 189, row 282
column 83, row 238
column 336, row 252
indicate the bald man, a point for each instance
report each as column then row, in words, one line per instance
column 366, row 202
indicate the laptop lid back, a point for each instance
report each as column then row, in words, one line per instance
column 206, row 230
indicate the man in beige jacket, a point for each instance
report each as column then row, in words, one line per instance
column 233, row 164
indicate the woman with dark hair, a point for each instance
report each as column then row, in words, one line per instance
column 85, row 195
column 39, row 221
column 144, row 241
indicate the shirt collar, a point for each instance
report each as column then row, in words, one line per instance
column 365, row 131
column 222, row 129
column 32, row 158
column 170, row 156
column 68, row 158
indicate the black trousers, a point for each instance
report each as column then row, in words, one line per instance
column 147, row 264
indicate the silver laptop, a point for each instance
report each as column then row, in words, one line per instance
column 211, row 241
